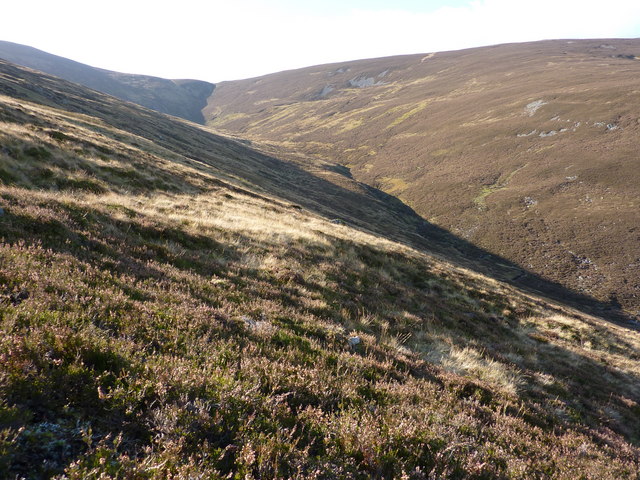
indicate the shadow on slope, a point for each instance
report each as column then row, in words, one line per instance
column 129, row 314
column 144, row 258
column 528, row 150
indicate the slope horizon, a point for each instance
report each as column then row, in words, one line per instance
column 329, row 63
column 282, row 34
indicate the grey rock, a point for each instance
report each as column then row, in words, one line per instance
column 364, row 82
column 327, row 90
column 249, row 322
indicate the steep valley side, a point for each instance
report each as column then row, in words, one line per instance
column 528, row 151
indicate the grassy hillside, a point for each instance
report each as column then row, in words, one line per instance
column 174, row 304
column 181, row 98
column 525, row 150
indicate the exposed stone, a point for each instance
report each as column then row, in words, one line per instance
column 249, row 322
column 533, row 107
column 550, row 133
column 364, row 82
column 326, row 91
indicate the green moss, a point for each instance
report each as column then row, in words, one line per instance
column 59, row 136
column 80, row 184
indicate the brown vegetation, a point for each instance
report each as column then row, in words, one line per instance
column 526, row 150
column 167, row 311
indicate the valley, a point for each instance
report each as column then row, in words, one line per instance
column 252, row 299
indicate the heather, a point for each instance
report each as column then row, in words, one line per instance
column 161, row 318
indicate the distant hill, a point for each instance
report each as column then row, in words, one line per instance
column 526, row 150
column 181, row 98
column 175, row 303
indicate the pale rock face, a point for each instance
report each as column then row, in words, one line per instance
column 326, row 90
column 363, row 82
column 533, row 107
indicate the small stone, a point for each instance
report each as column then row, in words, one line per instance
column 249, row 322
column 353, row 341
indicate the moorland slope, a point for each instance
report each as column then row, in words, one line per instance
column 174, row 304
column 527, row 150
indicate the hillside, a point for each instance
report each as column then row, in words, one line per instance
column 175, row 304
column 181, row 98
column 528, row 151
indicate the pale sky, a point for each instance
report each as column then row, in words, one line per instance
column 232, row 39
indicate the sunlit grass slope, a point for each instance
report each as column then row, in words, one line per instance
column 167, row 312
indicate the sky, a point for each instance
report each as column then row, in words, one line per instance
column 231, row 39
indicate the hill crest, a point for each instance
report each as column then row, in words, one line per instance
column 181, row 98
